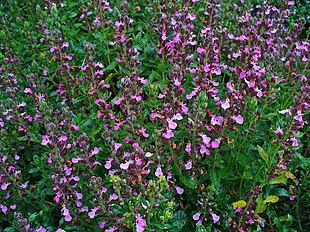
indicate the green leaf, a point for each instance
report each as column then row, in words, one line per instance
column 111, row 66
column 189, row 181
column 72, row 14
column 34, row 170
column 281, row 192
column 79, row 99
column 262, row 153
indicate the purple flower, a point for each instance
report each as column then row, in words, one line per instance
column 102, row 224
column 215, row 218
column 179, row 190
column 4, row 209
column 295, row 142
column 92, row 213
column 66, row 213
column 203, row 150
column 5, row 185
column 188, row 147
column 113, row 197
column 159, row 172
column 169, row 134
column 41, row 229
column 188, row 165
column 196, row 216
column 292, row 197
column 141, row 223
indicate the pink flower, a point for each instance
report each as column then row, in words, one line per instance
column 188, row 147
column 65, row 45
column 27, row 90
column 206, row 68
column 238, row 119
column 108, row 164
column 242, row 74
column 177, row 116
column 113, row 197
column 215, row 143
column 206, row 139
column 41, row 229
column 63, row 138
column 200, row 50
column 148, row 154
column 225, row 105
column 172, row 125
column 184, row 109
column 117, row 146
column 4, row 186
column 125, row 165
column 95, row 151
column 45, row 140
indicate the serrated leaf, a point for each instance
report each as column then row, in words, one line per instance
column 272, row 199
column 262, row 153
column 189, row 181
column 240, row 204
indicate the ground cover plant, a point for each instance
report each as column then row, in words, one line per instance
column 154, row 115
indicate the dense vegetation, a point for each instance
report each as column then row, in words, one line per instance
column 180, row 115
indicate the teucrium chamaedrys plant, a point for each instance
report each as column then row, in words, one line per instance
column 153, row 116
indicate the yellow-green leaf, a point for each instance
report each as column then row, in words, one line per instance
column 240, row 204
column 260, row 205
column 278, row 180
column 272, row 199
column 287, row 174
column 262, row 153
